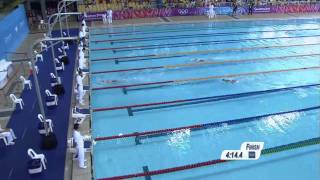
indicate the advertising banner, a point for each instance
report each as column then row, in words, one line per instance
column 225, row 10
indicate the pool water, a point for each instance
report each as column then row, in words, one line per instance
column 205, row 60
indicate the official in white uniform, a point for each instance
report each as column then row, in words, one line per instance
column 84, row 22
column 104, row 18
column 80, row 93
column 79, row 79
column 79, row 140
column 109, row 12
column 81, row 35
column 81, row 53
column 211, row 12
column 84, row 30
column 82, row 60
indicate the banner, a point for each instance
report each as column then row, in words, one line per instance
column 224, row 10
column 262, row 9
column 302, row 8
column 163, row 12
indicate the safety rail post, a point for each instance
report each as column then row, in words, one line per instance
column 50, row 27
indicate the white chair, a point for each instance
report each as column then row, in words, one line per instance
column 41, row 128
column 26, row 82
column 34, row 155
column 43, row 46
column 51, row 99
column 39, row 57
column 53, row 80
column 65, row 45
column 59, row 65
column 62, row 53
column 7, row 136
column 4, row 138
column 77, row 116
column 36, row 67
column 17, row 100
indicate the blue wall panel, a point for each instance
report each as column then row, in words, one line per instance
column 13, row 30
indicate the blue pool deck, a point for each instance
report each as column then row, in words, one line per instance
column 24, row 122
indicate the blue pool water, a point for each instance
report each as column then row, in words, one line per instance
column 259, row 55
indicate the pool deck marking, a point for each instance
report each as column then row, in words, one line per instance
column 233, row 17
column 161, row 132
column 182, row 102
column 164, row 19
column 272, row 150
column 160, row 18
column 197, row 43
column 186, row 29
column 205, row 63
column 125, row 40
column 24, row 133
column 185, row 53
column 188, row 80
column 289, row 14
column 33, row 106
column 10, row 173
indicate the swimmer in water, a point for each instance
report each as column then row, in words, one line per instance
column 109, row 81
column 198, row 60
column 232, row 81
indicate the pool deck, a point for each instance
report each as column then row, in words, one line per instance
column 71, row 170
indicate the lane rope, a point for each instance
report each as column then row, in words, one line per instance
column 280, row 58
column 268, row 151
column 152, row 38
column 184, row 29
column 200, row 100
column 188, row 80
column 166, row 55
column 164, row 132
column 199, row 43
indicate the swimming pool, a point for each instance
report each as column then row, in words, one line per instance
column 170, row 95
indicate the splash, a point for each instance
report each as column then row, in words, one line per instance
column 180, row 139
column 302, row 93
column 280, row 123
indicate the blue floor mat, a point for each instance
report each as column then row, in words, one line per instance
column 13, row 159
